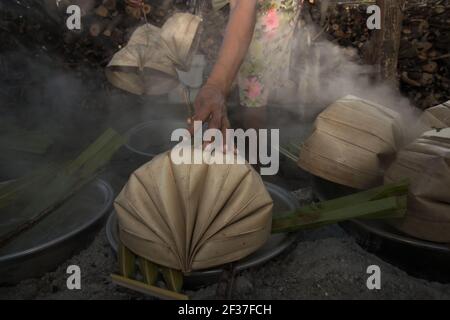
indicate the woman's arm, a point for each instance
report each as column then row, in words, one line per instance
column 237, row 39
column 210, row 102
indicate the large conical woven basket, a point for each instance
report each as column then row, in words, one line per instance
column 194, row 216
column 350, row 141
column 426, row 165
column 148, row 63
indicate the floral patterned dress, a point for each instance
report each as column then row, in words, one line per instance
column 266, row 66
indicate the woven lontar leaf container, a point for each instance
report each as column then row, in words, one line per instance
column 426, row 164
column 148, row 63
column 350, row 140
column 437, row 117
column 193, row 217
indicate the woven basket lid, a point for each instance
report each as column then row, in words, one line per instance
column 193, row 217
column 148, row 63
column 180, row 34
column 425, row 163
column 350, row 141
column 437, row 117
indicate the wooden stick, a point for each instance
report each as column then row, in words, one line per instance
column 442, row 57
column 147, row 289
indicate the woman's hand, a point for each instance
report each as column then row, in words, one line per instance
column 210, row 102
column 135, row 3
column 210, row 108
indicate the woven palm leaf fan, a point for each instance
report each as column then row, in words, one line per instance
column 426, row 164
column 184, row 217
column 350, row 141
column 148, row 63
column 166, row 217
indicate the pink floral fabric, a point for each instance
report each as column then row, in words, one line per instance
column 267, row 61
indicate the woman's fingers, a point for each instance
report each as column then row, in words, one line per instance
column 209, row 108
column 228, row 145
column 201, row 114
column 215, row 122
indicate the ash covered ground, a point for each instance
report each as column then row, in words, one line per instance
column 322, row 264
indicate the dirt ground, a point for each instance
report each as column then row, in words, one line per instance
column 322, row 264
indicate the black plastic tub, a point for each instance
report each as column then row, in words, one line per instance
column 60, row 235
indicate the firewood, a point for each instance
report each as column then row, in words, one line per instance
column 424, row 42
column 439, row 9
column 135, row 13
column 110, row 4
column 444, row 56
column 70, row 37
column 429, row 101
column 427, row 79
column 433, row 54
column 443, row 79
column 424, row 46
column 97, row 27
column 430, row 67
column 409, row 81
column 102, row 11
column 415, row 75
column 86, row 6
column 112, row 25
column 118, row 37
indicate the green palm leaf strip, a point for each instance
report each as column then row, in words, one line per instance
column 379, row 203
column 173, row 279
column 149, row 271
column 16, row 139
column 127, row 262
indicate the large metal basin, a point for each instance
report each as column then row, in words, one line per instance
column 420, row 258
column 52, row 241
